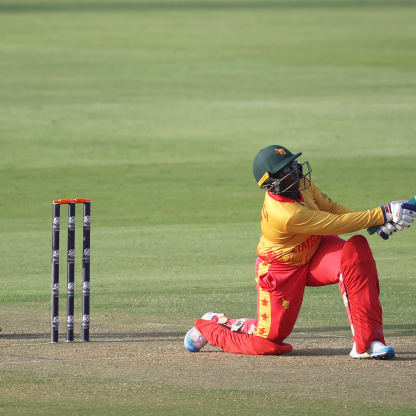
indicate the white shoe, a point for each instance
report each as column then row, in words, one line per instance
column 377, row 351
column 194, row 340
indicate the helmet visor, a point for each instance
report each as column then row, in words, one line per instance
column 293, row 177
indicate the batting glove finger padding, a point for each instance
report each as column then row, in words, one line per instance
column 386, row 230
column 397, row 227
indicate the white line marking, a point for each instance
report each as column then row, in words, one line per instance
column 39, row 343
column 30, row 357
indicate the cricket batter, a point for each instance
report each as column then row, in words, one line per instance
column 299, row 247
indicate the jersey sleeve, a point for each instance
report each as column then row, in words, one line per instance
column 325, row 203
column 307, row 221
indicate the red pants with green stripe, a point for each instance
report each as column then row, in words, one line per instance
column 280, row 294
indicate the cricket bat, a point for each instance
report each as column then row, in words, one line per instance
column 372, row 230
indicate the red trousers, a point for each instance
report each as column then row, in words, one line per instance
column 280, row 294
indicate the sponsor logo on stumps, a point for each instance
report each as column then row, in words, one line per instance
column 71, row 223
column 87, row 222
column 55, row 290
column 55, row 223
column 86, row 255
column 70, row 321
column 71, row 256
column 55, row 323
column 86, row 288
column 70, row 289
column 55, row 256
column 85, row 321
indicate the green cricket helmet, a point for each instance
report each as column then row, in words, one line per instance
column 270, row 160
column 276, row 159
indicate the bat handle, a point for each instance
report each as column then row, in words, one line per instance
column 372, row 230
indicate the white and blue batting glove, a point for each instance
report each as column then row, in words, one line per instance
column 400, row 213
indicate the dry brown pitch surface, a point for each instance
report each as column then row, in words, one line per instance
column 146, row 369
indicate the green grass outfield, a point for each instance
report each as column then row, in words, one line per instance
column 155, row 110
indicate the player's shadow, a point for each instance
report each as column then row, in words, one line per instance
column 331, row 352
column 389, row 330
column 104, row 337
column 318, row 352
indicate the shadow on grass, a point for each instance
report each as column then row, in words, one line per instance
column 192, row 5
column 392, row 330
column 102, row 337
column 125, row 337
column 331, row 352
column 412, row 356
column 319, row 352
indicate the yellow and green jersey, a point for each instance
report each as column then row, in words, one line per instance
column 292, row 230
